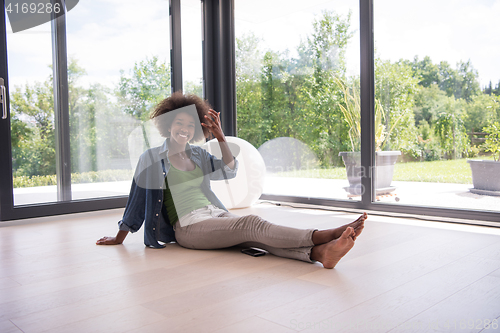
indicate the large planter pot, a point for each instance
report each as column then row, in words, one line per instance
column 384, row 170
column 485, row 177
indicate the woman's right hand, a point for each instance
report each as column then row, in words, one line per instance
column 108, row 241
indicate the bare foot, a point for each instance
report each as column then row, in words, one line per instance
column 357, row 225
column 329, row 254
column 325, row 236
column 108, row 241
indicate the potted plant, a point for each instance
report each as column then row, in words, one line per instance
column 486, row 173
column 384, row 160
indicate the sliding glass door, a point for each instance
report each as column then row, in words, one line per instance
column 79, row 92
column 297, row 81
column 437, row 80
column 373, row 105
column 32, row 114
column 118, row 70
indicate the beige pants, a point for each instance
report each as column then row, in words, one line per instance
column 228, row 230
column 200, row 214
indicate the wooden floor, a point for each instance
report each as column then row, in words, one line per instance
column 401, row 276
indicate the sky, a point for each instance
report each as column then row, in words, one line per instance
column 444, row 30
column 282, row 24
column 107, row 36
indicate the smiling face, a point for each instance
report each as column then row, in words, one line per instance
column 182, row 129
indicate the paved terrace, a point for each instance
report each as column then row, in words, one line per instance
column 409, row 193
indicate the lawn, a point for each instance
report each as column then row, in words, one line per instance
column 445, row 171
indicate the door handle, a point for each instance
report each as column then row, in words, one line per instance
column 3, row 98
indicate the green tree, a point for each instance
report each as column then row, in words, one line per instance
column 251, row 125
column 461, row 82
column 33, row 129
column 20, row 132
column 488, row 90
column 480, row 111
column 468, row 84
column 428, row 145
column 278, row 95
column 283, row 103
column 427, row 71
column 450, row 128
column 328, row 42
column 36, row 106
column 324, row 127
column 428, row 100
column 492, row 143
column 97, row 127
column 275, row 110
column 81, row 122
column 111, row 130
column 395, row 87
column 496, row 91
column 195, row 88
column 147, row 84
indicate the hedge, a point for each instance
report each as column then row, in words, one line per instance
column 76, row 178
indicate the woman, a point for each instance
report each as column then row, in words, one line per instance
column 171, row 193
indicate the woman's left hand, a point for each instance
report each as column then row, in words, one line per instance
column 213, row 124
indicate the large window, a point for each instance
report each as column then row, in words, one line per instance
column 32, row 115
column 80, row 91
column 376, row 105
column 437, row 80
column 118, row 70
column 424, row 102
column 297, row 80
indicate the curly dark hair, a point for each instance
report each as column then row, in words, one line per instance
column 176, row 101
